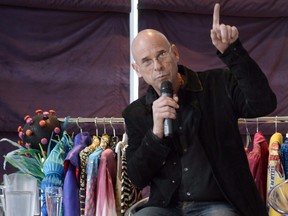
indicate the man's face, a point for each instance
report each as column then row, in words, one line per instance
column 156, row 62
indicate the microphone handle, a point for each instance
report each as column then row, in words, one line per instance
column 167, row 127
column 167, row 122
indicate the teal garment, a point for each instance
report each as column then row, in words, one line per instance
column 84, row 155
column 92, row 172
column 53, row 167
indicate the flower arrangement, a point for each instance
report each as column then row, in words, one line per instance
column 41, row 150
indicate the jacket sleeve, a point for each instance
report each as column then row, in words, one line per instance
column 145, row 154
column 250, row 91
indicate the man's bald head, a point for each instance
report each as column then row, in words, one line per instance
column 148, row 38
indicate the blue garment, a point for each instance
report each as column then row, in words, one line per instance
column 91, row 186
column 71, row 181
column 284, row 156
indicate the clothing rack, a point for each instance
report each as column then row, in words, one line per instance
column 96, row 120
column 112, row 120
column 266, row 119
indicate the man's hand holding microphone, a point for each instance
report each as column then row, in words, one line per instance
column 164, row 110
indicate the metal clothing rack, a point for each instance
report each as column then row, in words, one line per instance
column 112, row 120
column 266, row 119
column 278, row 121
column 96, row 120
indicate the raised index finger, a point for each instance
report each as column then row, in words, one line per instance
column 216, row 15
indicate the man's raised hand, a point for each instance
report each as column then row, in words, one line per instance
column 222, row 35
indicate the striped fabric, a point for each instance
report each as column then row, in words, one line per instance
column 129, row 193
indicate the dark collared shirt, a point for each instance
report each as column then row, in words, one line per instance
column 198, row 182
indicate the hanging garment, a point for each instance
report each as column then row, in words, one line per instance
column 118, row 150
column 92, row 172
column 84, row 154
column 129, row 193
column 105, row 200
column 275, row 173
column 114, row 141
column 53, row 167
column 258, row 163
column 284, row 155
column 92, row 176
column 71, row 181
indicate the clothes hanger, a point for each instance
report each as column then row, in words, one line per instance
column 276, row 124
column 118, row 150
column 105, row 138
column 104, row 126
column 114, row 139
column 113, row 129
column 96, row 127
column 95, row 139
column 78, row 125
column 124, row 141
column 125, row 135
column 248, row 137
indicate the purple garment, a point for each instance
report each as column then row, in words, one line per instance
column 71, row 182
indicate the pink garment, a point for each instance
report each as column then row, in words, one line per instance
column 105, row 201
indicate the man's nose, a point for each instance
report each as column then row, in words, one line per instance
column 157, row 64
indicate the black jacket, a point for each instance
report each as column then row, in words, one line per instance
column 216, row 99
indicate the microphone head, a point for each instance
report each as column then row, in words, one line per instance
column 166, row 87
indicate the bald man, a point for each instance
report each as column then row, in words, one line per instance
column 202, row 168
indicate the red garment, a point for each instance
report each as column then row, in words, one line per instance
column 258, row 163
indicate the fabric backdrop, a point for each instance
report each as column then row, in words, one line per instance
column 73, row 61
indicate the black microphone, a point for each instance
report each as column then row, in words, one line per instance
column 167, row 90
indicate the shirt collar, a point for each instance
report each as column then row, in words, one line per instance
column 192, row 83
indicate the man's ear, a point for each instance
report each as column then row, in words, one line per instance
column 136, row 69
column 175, row 51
